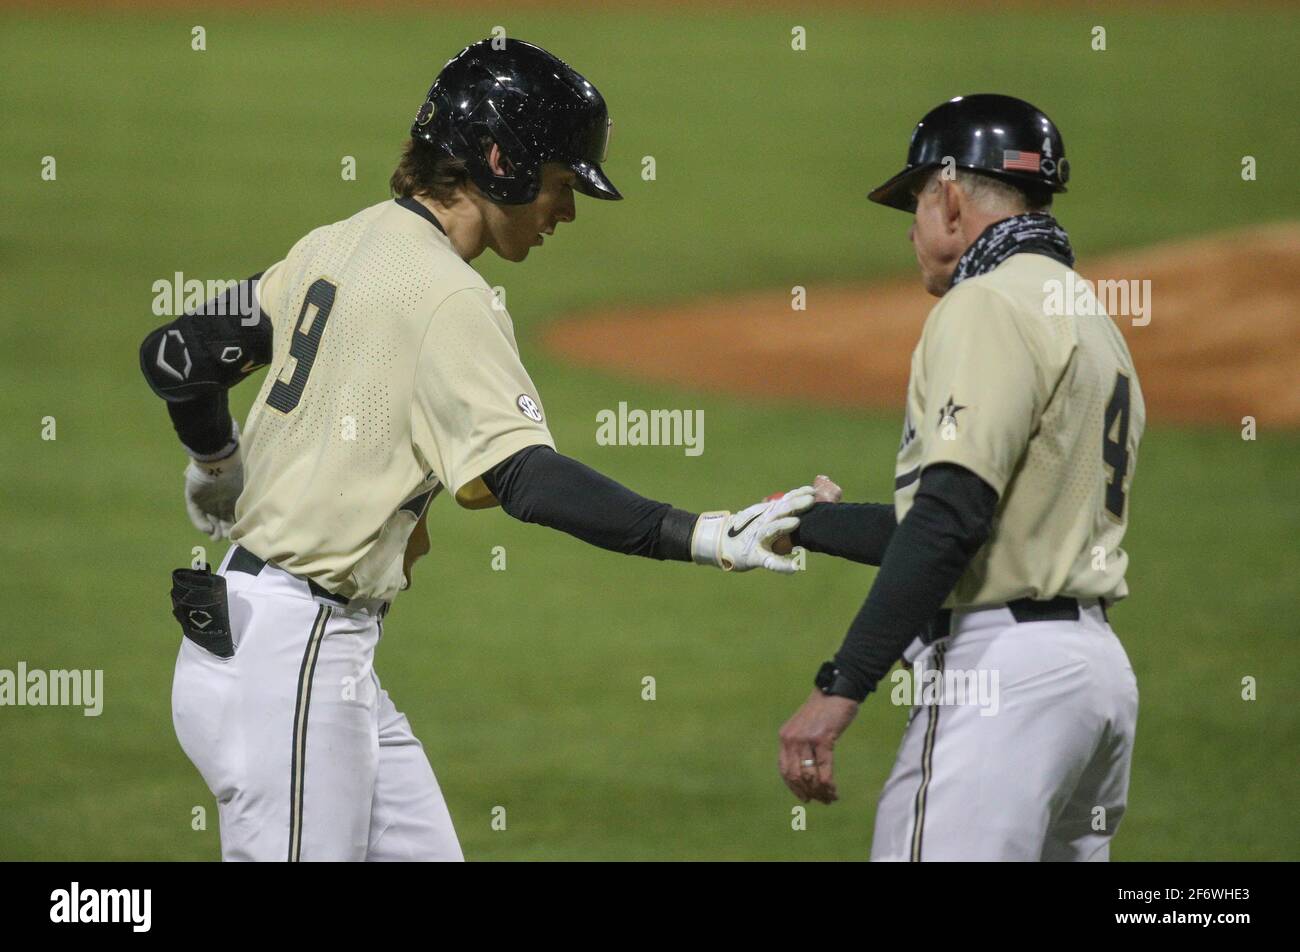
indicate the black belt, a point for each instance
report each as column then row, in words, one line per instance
column 241, row 560
column 1061, row 608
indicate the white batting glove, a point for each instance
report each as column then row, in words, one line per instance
column 212, row 486
column 740, row 541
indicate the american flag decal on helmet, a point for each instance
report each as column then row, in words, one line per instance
column 1021, row 161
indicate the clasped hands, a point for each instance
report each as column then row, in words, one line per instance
column 758, row 536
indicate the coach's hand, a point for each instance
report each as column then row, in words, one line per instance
column 211, row 489
column 824, row 490
column 740, row 541
column 807, row 745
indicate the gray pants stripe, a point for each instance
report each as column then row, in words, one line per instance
column 298, row 761
column 927, row 767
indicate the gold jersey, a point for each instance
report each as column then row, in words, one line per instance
column 1046, row 409
column 395, row 373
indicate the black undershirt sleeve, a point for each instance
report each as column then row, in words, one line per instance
column 950, row 519
column 541, row 486
column 858, row 531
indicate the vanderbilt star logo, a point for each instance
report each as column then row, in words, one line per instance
column 948, row 413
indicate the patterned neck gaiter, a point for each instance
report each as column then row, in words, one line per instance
column 1034, row 233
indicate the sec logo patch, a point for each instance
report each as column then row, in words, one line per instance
column 529, row 408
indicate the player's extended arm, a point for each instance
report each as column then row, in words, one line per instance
column 541, row 486
column 950, row 520
column 191, row 362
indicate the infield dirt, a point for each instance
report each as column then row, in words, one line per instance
column 1222, row 341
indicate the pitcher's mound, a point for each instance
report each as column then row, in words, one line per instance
column 1223, row 340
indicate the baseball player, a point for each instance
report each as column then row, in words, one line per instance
column 1002, row 546
column 394, row 376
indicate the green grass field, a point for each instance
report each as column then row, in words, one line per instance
column 525, row 684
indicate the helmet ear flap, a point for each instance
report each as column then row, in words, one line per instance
column 522, row 178
column 507, row 168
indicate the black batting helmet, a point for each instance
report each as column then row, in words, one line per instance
column 994, row 135
column 534, row 107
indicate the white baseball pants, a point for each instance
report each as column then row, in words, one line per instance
column 1042, row 773
column 304, row 751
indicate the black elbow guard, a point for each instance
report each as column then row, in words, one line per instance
column 208, row 351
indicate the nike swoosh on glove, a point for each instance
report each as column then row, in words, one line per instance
column 740, row 541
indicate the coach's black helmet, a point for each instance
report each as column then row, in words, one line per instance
column 532, row 105
column 1000, row 136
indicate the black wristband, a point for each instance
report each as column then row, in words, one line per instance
column 674, row 542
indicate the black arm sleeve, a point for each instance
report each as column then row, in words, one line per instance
column 950, row 519
column 539, row 485
column 192, row 362
column 858, row 531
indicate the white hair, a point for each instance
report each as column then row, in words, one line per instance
column 991, row 194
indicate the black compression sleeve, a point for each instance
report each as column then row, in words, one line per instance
column 203, row 424
column 950, row 519
column 859, row 531
column 539, row 485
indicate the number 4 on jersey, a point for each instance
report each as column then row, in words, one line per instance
column 1114, row 447
column 316, row 307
